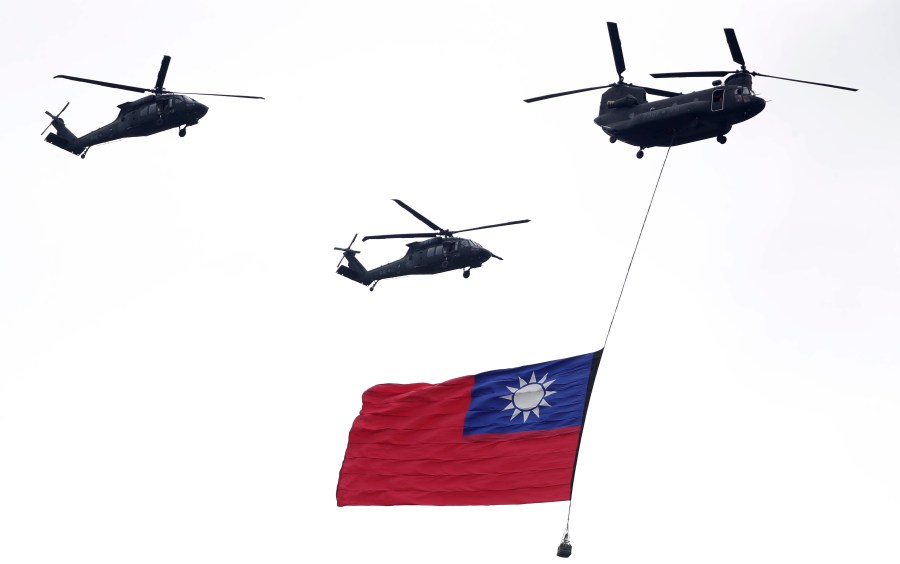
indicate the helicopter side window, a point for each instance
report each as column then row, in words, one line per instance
column 718, row 99
column 430, row 251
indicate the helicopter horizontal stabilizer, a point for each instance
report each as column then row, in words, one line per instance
column 354, row 275
column 63, row 143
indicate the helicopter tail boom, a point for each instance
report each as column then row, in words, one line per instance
column 63, row 138
column 64, row 143
column 355, row 270
column 353, row 275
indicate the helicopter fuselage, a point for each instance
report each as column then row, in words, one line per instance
column 438, row 253
column 139, row 118
column 432, row 256
column 625, row 114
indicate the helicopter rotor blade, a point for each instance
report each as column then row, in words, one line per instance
column 548, row 96
column 489, row 226
column 418, row 216
column 805, row 81
column 736, row 54
column 223, row 95
column 106, row 84
column 400, row 236
column 53, row 117
column 616, row 45
column 684, row 74
column 658, row 92
column 347, row 250
column 161, row 77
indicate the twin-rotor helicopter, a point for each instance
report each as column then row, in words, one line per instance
column 626, row 115
column 160, row 111
column 440, row 252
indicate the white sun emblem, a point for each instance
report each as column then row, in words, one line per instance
column 529, row 397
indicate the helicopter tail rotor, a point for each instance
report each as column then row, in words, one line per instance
column 55, row 118
column 348, row 252
column 63, row 138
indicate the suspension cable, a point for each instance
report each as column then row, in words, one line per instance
column 638, row 242
column 565, row 547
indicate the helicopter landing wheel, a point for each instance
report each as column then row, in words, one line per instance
column 182, row 132
column 371, row 288
column 467, row 273
column 613, row 138
column 721, row 139
column 83, row 155
column 640, row 154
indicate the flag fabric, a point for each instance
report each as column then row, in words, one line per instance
column 501, row 437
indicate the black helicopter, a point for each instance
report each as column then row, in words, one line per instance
column 159, row 111
column 625, row 113
column 442, row 252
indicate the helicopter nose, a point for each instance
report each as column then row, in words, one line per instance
column 200, row 110
column 483, row 254
column 757, row 105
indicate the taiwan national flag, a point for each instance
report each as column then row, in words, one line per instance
column 501, row 437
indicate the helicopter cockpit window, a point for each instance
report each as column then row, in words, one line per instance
column 742, row 94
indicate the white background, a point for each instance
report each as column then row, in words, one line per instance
column 180, row 365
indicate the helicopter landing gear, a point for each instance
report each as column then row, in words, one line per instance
column 467, row 272
column 640, row 154
column 721, row 139
column 84, row 153
column 613, row 138
column 372, row 287
column 182, row 131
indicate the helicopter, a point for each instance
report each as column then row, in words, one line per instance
column 160, row 111
column 626, row 115
column 441, row 252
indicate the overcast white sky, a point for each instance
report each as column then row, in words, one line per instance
column 180, row 365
